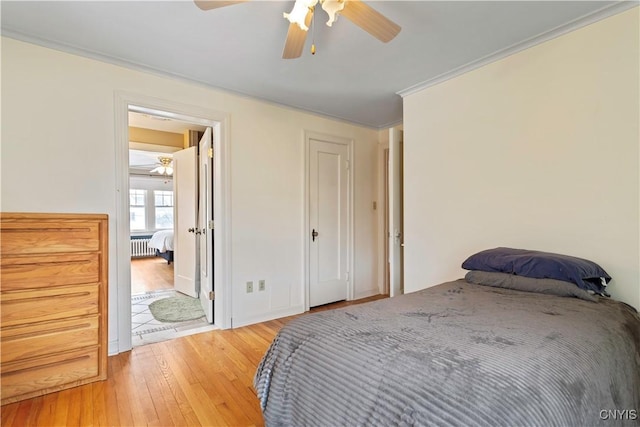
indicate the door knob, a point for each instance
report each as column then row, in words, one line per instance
column 314, row 234
column 191, row 230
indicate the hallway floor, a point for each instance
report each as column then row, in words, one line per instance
column 151, row 280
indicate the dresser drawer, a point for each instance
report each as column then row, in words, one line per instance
column 34, row 340
column 48, row 236
column 37, row 271
column 52, row 373
column 38, row 305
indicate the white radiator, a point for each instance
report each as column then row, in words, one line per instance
column 140, row 248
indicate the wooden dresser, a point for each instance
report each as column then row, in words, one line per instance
column 53, row 302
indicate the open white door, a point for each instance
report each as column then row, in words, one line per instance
column 396, row 238
column 205, row 223
column 185, row 191
column 328, row 210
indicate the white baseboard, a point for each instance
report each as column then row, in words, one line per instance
column 113, row 348
column 264, row 317
column 366, row 294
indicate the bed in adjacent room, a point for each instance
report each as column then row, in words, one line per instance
column 162, row 242
column 495, row 348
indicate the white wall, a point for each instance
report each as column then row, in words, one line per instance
column 538, row 150
column 151, row 183
column 59, row 154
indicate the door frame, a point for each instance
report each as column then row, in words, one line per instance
column 308, row 136
column 219, row 122
column 383, row 217
column 396, row 212
column 204, row 216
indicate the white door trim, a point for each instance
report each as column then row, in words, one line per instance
column 308, row 136
column 396, row 245
column 222, row 234
column 204, row 216
column 383, row 220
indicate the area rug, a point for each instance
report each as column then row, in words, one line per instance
column 176, row 309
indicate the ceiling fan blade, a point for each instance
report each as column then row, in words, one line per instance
column 371, row 21
column 295, row 39
column 215, row 4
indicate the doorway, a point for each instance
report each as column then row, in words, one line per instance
column 162, row 307
column 169, row 111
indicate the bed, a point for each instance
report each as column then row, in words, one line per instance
column 162, row 242
column 491, row 349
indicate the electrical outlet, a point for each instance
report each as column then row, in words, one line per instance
column 261, row 285
column 249, row 287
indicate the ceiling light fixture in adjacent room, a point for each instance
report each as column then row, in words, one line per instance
column 165, row 168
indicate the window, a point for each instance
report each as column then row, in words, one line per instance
column 163, row 209
column 137, row 210
column 150, row 210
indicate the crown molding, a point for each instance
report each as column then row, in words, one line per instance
column 135, row 66
column 577, row 23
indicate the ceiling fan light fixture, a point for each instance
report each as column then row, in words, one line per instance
column 299, row 12
column 165, row 167
column 332, row 7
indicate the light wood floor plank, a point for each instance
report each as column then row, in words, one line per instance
column 74, row 407
column 110, row 404
column 8, row 414
column 217, row 383
column 164, row 401
column 87, row 407
column 62, row 403
column 122, row 393
column 150, row 274
column 198, row 380
column 47, row 410
column 25, row 411
column 139, row 381
column 172, row 388
column 100, row 403
column 203, row 406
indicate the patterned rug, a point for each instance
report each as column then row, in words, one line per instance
column 145, row 329
column 176, row 309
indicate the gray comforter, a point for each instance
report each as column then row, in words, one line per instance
column 456, row 354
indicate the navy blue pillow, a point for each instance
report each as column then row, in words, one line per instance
column 541, row 265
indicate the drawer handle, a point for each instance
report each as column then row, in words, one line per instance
column 24, row 264
column 47, row 297
column 46, row 332
column 47, row 365
column 44, row 229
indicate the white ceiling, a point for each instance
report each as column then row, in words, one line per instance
column 140, row 159
column 353, row 76
column 149, row 121
column 146, row 156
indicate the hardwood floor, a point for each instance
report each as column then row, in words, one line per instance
column 150, row 274
column 198, row 380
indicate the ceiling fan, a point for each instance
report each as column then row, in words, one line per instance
column 165, row 167
column 302, row 13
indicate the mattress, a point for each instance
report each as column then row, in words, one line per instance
column 162, row 241
column 456, row 354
